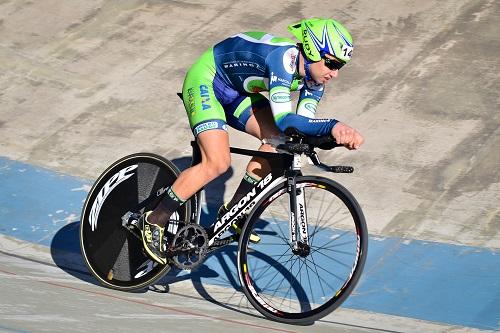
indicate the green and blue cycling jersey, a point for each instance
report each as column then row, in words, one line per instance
column 225, row 84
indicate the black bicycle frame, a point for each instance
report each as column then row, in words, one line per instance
column 280, row 161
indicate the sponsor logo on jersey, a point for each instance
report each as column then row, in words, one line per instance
column 238, row 64
column 280, row 97
column 208, row 126
column 190, row 101
column 274, row 78
column 289, row 60
column 310, row 107
column 315, row 121
column 255, row 84
column 205, row 97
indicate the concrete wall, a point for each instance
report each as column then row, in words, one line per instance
column 83, row 83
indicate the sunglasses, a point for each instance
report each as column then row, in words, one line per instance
column 333, row 64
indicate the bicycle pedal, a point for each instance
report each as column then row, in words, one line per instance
column 131, row 219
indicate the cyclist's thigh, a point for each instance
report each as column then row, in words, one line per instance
column 214, row 147
column 261, row 123
column 204, row 111
column 252, row 114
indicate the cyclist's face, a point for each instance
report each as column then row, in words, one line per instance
column 322, row 74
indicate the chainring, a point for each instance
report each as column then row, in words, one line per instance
column 189, row 247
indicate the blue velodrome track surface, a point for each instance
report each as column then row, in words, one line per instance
column 445, row 283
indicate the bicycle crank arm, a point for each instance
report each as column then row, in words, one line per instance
column 130, row 222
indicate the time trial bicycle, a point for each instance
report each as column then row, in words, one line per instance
column 302, row 240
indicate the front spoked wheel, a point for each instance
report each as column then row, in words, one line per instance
column 306, row 286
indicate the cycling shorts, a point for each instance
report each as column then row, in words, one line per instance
column 212, row 104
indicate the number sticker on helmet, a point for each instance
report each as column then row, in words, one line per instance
column 347, row 51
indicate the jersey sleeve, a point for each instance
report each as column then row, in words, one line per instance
column 281, row 67
column 281, row 64
column 308, row 126
column 308, row 100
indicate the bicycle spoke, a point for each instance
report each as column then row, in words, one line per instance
column 335, row 260
column 304, row 282
column 278, row 288
column 267, row 269
column 319, row 226
column 337, row 238
column 283, row 237
column 332, row 274
column 335, row 213
column 279, row 255
column 329, row 249
column 310, row 284
column 317, row 274
column 277, row 244
column 320, row 278
column 309, row 199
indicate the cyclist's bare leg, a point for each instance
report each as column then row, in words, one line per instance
column 215, row 160
column 261, row 125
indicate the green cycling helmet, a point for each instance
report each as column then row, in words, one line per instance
column 321, row 36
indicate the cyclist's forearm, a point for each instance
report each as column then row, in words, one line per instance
column 315, row 127
column 307, row 107
column 281, row 106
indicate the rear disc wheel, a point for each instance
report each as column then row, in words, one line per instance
column 114, row 254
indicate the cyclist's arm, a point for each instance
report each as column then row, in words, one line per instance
column 281, row 68
column 281, row 106
column 310, row 95
column 308, row 126
column 308, row 100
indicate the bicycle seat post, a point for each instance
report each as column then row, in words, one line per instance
column 196, row 155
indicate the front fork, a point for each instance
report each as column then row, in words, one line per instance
column 298, row 227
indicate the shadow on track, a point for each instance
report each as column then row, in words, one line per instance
column 216, row 280
column 65, row 245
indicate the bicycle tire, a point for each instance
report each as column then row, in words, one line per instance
column 337, row 256
column 113, row 255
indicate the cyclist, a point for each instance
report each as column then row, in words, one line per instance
column 223, row 88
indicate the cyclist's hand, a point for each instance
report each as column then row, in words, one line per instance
column 347, row 136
